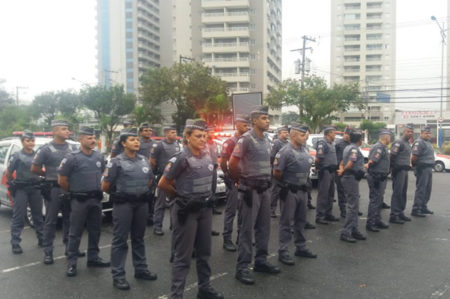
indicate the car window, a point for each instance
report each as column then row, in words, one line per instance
column 3, row 152
column 15, row 148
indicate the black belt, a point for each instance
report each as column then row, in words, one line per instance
column 118, row 197
column 82, row 196
column 259, row 185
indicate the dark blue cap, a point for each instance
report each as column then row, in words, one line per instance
column 169, row 128
column 299, row 127
column 59, row 123
column 28, row 134
column 348, row 130
column 86, row 131
column 129, row 132
column 426, row 129
column 259, row 110
column 128, row 122
column 383, row 131
column 198, row 124
column 283, row 128
column 242, row 118
column 328, row 129
column 410, row 126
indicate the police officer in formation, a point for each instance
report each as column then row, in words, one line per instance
column 50, row 156
column 128, row 178
column 242, row 122
column 214, row 152
column 25, row 191
column 80, row 174
column 250, row 166
column 351, row 169
column 378, row 170
column 422, row 160
column 145, row 140
column 326, row 163
column 187, row 180
column 400, row 165
column 278, row 144
column 341, row 144
column 291, row 169
column 160, row 155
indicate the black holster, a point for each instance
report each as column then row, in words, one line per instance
column 247, row 195
column 189, row 205
column 46, row 190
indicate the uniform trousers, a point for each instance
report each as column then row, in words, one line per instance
column 230, row 213
column 351, row 191
column 254, row 220
column 129, row 218
column 86, row 212
column 193, row 233
column 294, row 209
column 23, row 197
column 376, row 194
column 424, row 181
column 325, row 195
column 399, row 192
column 53, row 206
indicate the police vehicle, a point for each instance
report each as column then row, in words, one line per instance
column 442, row 162
column 10, row 145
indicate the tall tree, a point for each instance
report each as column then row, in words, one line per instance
column 318, row 102
column 15, row 118
column 109, row 105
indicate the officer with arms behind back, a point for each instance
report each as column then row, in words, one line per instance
column 80, row 174
column 341, row 144
column 24, row 190
column 128, row 178
column 278, row 144
column 50, row 156
column 378, row 170
column 242, row 122
column 187, row 180
column 326, row 163
column 400, row 165
column 291, row 169
column 422, row 160
column 250, row 166
column 351, row 169
column 160, row 155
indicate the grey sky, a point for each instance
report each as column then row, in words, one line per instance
column 46, row 43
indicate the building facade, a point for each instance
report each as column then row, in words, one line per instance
column 128, row 34
column 363, row 38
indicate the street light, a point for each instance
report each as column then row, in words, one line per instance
column 443, row 36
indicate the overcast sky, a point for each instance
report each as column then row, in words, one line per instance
column 46, row 43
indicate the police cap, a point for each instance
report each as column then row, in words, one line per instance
column 283, row 128
column 128, row 132
column 198, row 124
column 242, row 118
column 27, row 134
column 383, row 131
column 86, row 131
column 168, row 128
column 426, row 129
column 328, row 129
column 59, row 123
column 348, row 130
column 355, row 136
column 410, row 126
column 259, row 110
column 299, row 127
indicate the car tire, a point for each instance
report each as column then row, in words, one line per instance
column 439, row 166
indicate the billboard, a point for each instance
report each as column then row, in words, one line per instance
column 243, row 103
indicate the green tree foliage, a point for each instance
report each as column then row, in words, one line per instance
column 190, row 87
column 340, row 126
column 57, row 105
column 290, row 117
column 109, row 105
column 316, row 102
column 5, row 98
column 372, row 129
column 15, row 118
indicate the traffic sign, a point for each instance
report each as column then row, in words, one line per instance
column 441, row 119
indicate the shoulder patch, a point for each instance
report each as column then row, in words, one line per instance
column 240, row 141
column 379, row 150
column 109, row 165
column 173, row 159
column 278, row 155
column 64, row 160
column 354, row 150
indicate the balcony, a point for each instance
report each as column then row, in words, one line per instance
column 228, row 32
column 225, row 47
column 225, row 3
column 225, row 18
column 227, row 62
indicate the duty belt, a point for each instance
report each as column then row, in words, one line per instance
column 119, row 198
column 82, row 196
column 259, row 185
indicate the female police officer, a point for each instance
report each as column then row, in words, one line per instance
column 187, row 178
column 24, row 190
column 128, row 178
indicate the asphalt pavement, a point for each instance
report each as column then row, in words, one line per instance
column 404, row 261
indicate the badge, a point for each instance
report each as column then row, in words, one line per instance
column 145, row 169
column 377, row 155
column 211, row 167
column 99, row 164
column 168, row 166
column 379, row 150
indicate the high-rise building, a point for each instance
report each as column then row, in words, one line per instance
column 128, row 40
column 363, row 51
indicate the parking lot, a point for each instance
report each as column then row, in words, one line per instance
column 405, row 261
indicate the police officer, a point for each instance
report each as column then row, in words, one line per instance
column 160, row 155
column 50, row 156
column 24, row 190
column 326, row 163
column 145, row 140
column 117, row 148
column 250, row 166
column 80, row 174
column 187, row 180
column 278, row 144
column 378, row 170
column 351, row 169
column 341, row 144
column 400, row 165
column 128, row 178
column 422, row 160
column 242, row 122
column 291, row 168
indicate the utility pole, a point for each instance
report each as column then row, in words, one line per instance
column 303, row 52
column 17, row 93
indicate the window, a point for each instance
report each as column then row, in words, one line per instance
column 374, row 36
column 373, row 68
column 352, row 48
column 352, row 16
column 352, row 37
column 373, row 57
column 352, row 27
column 3, row 152
column 352, row 5
column 373, row 47
column 374, row 26
column 372, row 5
column 353, row 68
column 351, row 58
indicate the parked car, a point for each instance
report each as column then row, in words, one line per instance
column 9, row 146
column 442, row 162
